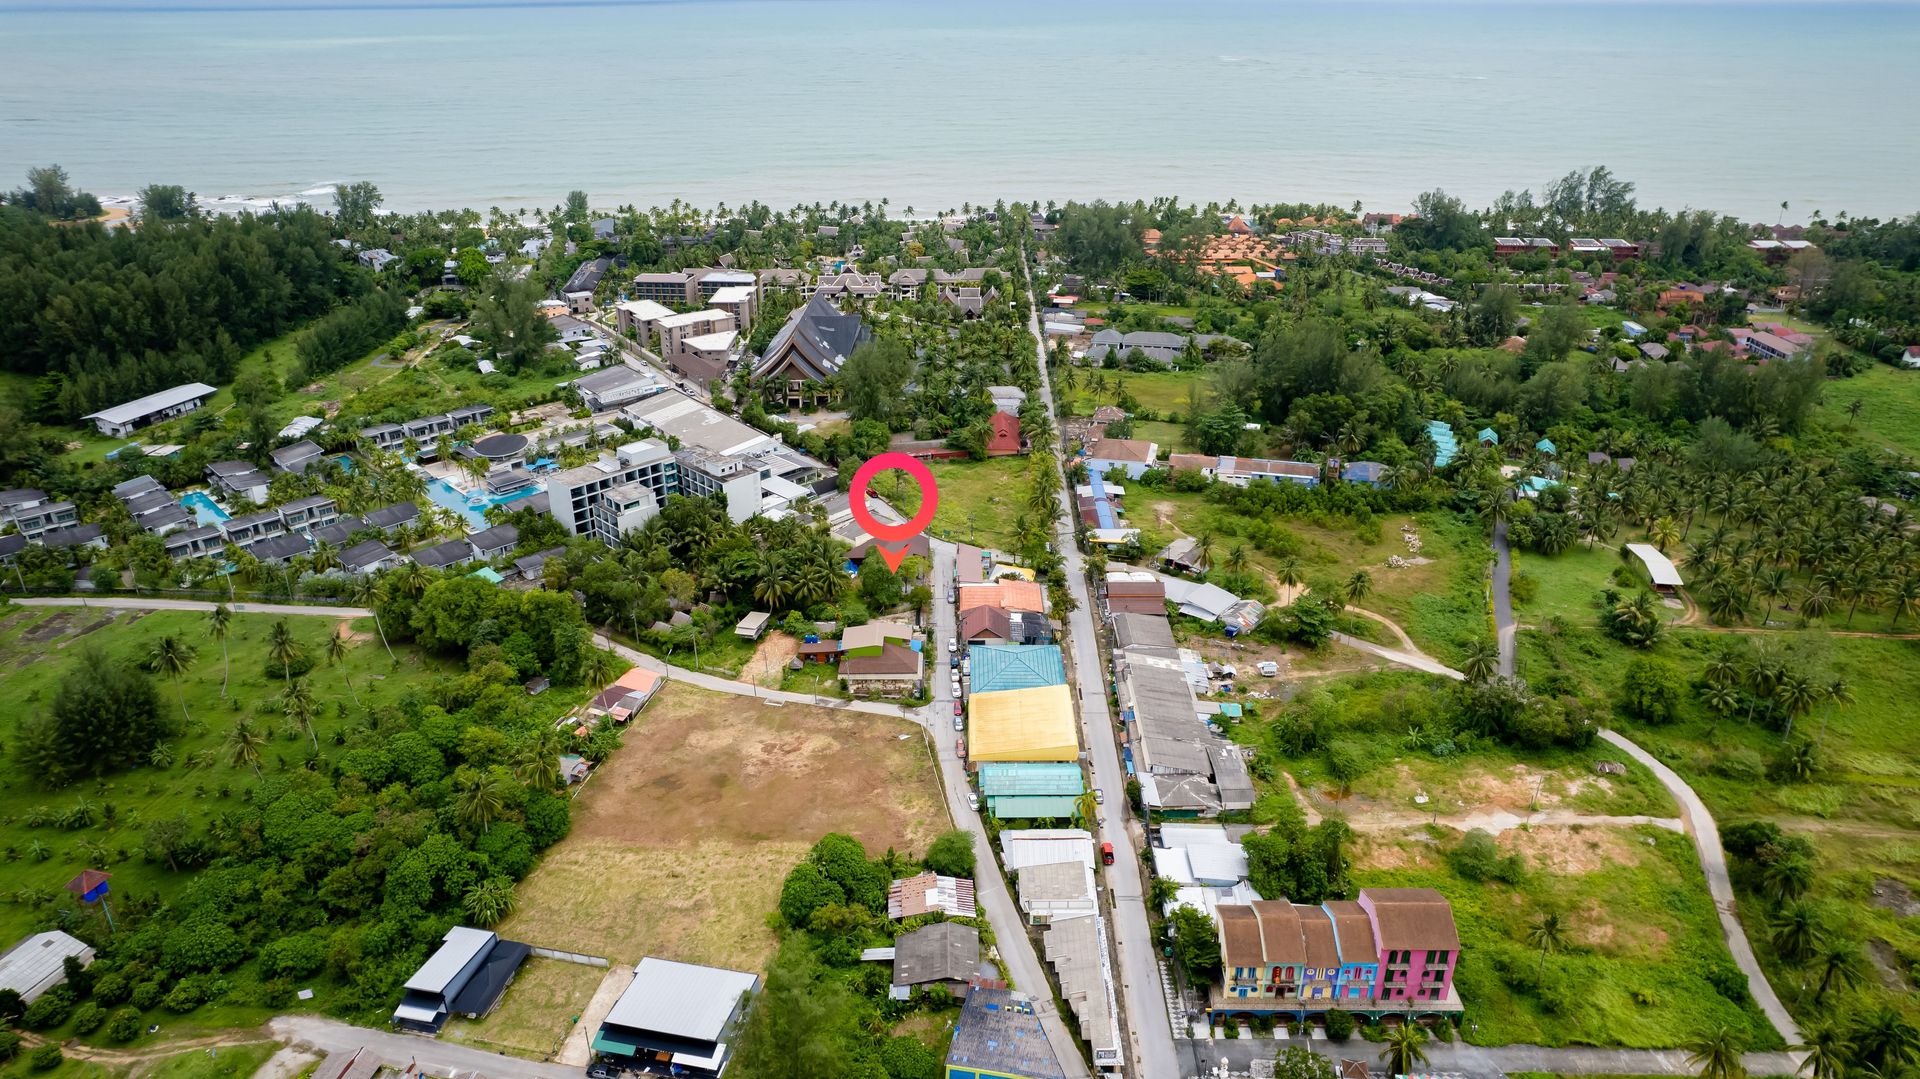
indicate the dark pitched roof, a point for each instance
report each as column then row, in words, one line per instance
column 290, row 545
column 339, row 531
column 361, row 555
column 941, row 952
column 587, row 277
column 442, row 555
column 813, row 344
column 497, row 536
column 894, row 659
column 72, row 537
column 396, row 514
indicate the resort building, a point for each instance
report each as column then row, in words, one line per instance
column 122, row 420
column 811, row 347
column 573, row 493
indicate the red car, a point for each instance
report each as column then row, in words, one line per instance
column 960, row 748
column 1106, row 854
column 956, row 708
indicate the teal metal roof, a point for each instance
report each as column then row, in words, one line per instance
column 1032, row 778
column 1030, row 808
column 1545, row 445
column 996, row 667
column 1488, row 434
column 1445, row 446
column 1231, row 709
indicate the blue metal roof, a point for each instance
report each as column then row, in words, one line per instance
column 1445, row 446
column 1014, row 666
column 1004, row 779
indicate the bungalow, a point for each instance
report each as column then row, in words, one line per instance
column 444, row 555
column 303, row 515
column 1003, row 435
column 1370, row 473
column 1129, row 455
column 247, row 529
column 892, row 669
column 994, row 625
column 238, row 479
column 1773, row 346
column 277, row 550
column 628, row 694
column 398, row 515
column 1183, row 555
column 570, row 330
column 944, row 955
column 532, row 567
column 297, row 458
column 340, row 531
column 930, row 893
column 493, row 543
column 376, row 258
column 369, row 557
column 122, row 420
column 87, row 535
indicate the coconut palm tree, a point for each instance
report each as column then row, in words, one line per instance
column 297, row 703
column 171, row 657
column 1797, row 932
column 479, row 797
column 338, row 646
column 1237, row 559
column 487, row 903
column 243, row 744
column 1406, row 1047
column 1796, row 694
column 1664, row 533
column 412, row 579
column 219, row 624
column 1885, row 1041
column 1816, row 602
column 1786, row 878
column 323, row 557
column 368, row 593
column 1482, row 660
column 283, row 648
column 1290, row 572
column 1548, row 934
column 1841, row 966
column 1358, row 586
column 1825, row 1052
column 1717, row 1055
column 1838, row 691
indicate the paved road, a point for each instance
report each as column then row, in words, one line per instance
column 1503, row 597
column 1406, row 659
column 1713, row 862
column 135, row 603
column 1150, row 1048
column 437, row 1058
column 1461, row 1058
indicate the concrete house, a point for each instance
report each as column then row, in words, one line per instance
column 675, row 1018
column 238, row 479
column 1391, row 952
column 122, row 420
column 1129, row 455
column 297, row 458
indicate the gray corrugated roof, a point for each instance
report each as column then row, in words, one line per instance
column 151, row 403
column 681, row 999
column 457, row 949
column 36, row 964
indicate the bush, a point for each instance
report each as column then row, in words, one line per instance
column 1232, row 1029
column 951, row 855
column 187, row 995
column 1524, row 587
column 1339, row 1024
column 9, row 1045
column 50, row 1010
column 46, row 1058
column 125, row 1025
column 1728, row 981
column 1478, row 858
column 1739, row 764
column 148, row 994
column 88, row 1018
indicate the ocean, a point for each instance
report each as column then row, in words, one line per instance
column 1732, row 106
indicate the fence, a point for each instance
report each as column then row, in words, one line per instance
column 571, row 957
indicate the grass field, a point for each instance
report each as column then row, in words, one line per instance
column 680, row 841
column 1889, row 411
column 1163, row 392
column 37, row 649
column 1642, row 935
column 1568, row 582
column 226, row 1062
column 537, row 1011
column 979, row 500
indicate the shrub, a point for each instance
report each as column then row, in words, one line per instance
column 1478, row 858
column 951, row 855
column 88, row 1018
column 46, row 1058
column 9, row 1045
column 1728, row 981
column 50, row 1010
column 1740, row 764
column 112, row 988
column 1339, row 1024
column 148, row 994
column 187, row 995
column 1233, row 1028
column 1524, row 587
column 1261, row 1025
column 125, row 1025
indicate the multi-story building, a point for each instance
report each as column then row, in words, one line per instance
column 675, row 329
column 1393, row 951
column 663, row 288
column 573, row 493
column 736, row 300
column 735, row 477
column 620, row 510
column 34, row 514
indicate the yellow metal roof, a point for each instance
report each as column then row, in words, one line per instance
column 1023, row 725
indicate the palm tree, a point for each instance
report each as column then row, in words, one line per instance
column 1664, row 533
column 412, row 579
column 1841, row 965
column 367, row 593
column 1797, row 932
column 283, row 649
column 1482, row 660
column 1816, row 602
column 1547, row 934
column 1826, row 1052
column 478, row 797
column 1290, row 572
column 1786, row 878
column 1797, row 694
column 1237, row 559
column 489, row 902
column 171, row 657
column 219, row 623
column 297, row 703
column 602, row 667
column 1405, row 1048
column 1886, row 1042
column 338, row 646
column 1717, row 1055
column 243, row 745
column 1358, row 586
column 1838, row 691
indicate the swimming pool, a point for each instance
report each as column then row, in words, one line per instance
column 474, row 509
column 205, row 510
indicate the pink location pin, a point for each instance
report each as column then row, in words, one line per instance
column 892, row 539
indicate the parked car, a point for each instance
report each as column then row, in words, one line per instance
column 953, row 661
column 953, row 644
column 1106, row 854
column 959, row 725
column 1099, row 797
column 973, row 801
column 953, row 595
column 960, row 748
column 956, row 708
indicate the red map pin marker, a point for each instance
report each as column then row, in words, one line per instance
column 892, row 539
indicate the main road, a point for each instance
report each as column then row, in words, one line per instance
column 1150, row 1049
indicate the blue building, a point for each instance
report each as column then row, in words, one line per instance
column 998, row 1037
column 1445, row 446
column 995, row 667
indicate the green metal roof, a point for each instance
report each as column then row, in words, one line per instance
column 1015, row 779
column 1031, row 807
column 1015, row 666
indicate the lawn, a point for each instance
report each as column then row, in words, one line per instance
column 680, row 841
column 979, row 500
column 1889, row 411
column 223, row 1062
column 536, row 1013
column 1569, row 582
column 1641, row 934
column 1161, row 392
column 37, row 648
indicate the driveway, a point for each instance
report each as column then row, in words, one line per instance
column 433, row 1057
column 1503, row 598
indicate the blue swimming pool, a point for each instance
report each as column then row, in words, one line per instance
column 473, row 508
column 205, row 510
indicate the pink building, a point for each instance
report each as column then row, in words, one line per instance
column 1392, row 952
column 1419, row 946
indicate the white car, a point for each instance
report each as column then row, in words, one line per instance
column 953, row 595
column 953, row 644
column 973, row 801
column 959, row 725
column 1099, row 797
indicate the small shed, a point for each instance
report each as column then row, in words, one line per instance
column 1660, row 569
column 1488, row 436
column 1546, row 446
column 574, row 768
column 752, row 626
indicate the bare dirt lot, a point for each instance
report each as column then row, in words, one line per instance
column 769, row 663
column 680, row 841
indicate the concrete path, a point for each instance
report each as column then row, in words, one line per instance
column 1419, row 661
column 1503, row 597
column 139, row 603
column 577, row 1050
column 287, row 1063
column 1713, row 862
column 1150, row 1048
column 437, row 1058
